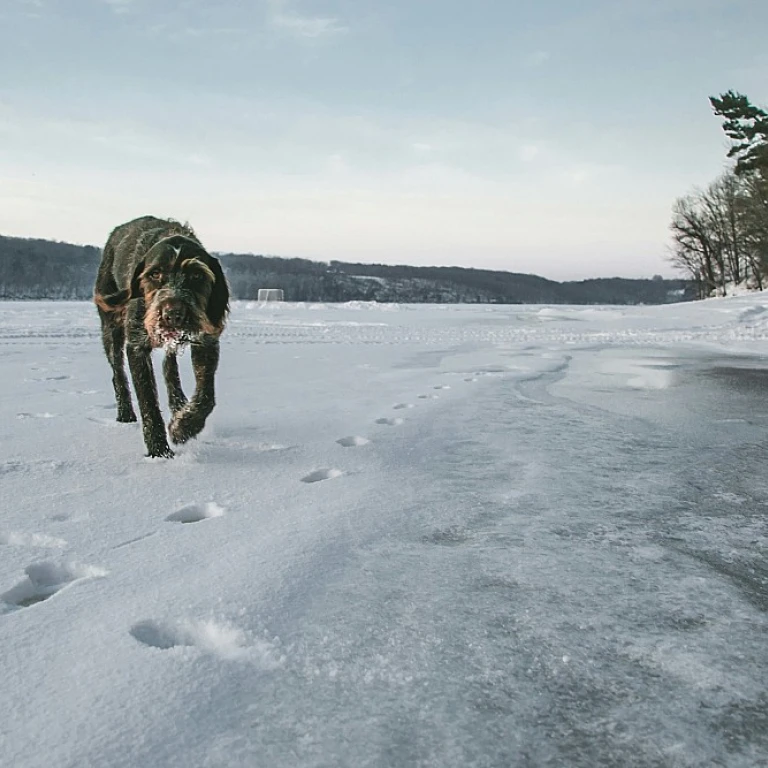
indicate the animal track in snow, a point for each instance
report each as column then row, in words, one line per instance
column 194, row 513
column 46, row 579
column 353, row 441
column 51, row 378
column 16, row 539
column 106, row 422
column 390, row 422
column 217, row 638
column 23, row 466
column 134, row 540
column 442, row 386
column 321, row 474
column 451, row 536
column 428, row 397
column 401, row 406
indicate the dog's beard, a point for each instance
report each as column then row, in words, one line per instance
column 174, row 340
column 170, row 338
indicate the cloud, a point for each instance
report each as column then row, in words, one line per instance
column 119, row 6
column 537, row 58
column 282, row 17
column 178, row 33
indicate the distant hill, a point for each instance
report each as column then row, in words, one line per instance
column 44, row 269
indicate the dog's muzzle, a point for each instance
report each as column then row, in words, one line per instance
column 170, row 320
column 173, row 315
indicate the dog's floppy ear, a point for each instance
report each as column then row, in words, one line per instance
column 113, row 301
column 135, row 291
column 218, row 303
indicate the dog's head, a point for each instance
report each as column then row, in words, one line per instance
column 184, row 290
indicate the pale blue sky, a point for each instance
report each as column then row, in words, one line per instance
column 548, row 137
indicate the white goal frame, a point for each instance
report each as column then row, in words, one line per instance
column 271, row 294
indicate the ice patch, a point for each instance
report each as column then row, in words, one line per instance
column 639, row 374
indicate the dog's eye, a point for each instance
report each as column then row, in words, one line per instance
column 155, row 274
column 195, row 277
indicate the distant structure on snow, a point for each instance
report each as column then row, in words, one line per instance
column 271, row 294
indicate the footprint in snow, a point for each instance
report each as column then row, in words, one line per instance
column 428, row 397
column 46, row 579
column 107, row 422
column 217, row 638
column 390, row 422
column 442, row 386
column 353, row 441
column 401, row 406
column 451, row 536
column 321, row 474
column 51, row 378
column 24, row 466
column 16, row 539
column 194, row 513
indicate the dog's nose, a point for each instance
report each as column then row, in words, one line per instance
column 173, row 314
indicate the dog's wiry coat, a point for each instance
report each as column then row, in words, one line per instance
column 158, row 287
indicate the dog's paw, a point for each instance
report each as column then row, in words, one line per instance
column 184, row 426
column 167, row 453
column 159, row 451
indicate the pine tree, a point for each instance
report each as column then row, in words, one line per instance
column 747, row 125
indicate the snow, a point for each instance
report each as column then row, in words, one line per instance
column 409, row 535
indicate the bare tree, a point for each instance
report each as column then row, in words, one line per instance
column 720, row 234
column 693, row 247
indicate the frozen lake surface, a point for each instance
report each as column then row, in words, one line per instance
column 409, row 536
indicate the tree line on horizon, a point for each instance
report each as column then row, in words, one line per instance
column 44, row 269
column 720, row 233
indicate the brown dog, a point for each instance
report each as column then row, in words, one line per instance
column 158, row 287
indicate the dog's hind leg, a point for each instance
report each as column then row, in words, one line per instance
column 113, row 337
column 176, row 397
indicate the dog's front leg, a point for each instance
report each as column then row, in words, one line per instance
column 190, row 420
column 176, row 397
column 144, row 384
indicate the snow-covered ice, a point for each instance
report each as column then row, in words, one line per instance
column 409, row 536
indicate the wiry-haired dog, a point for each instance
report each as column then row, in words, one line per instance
column 158, row 287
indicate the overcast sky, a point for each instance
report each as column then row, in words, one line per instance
column 549, row 136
